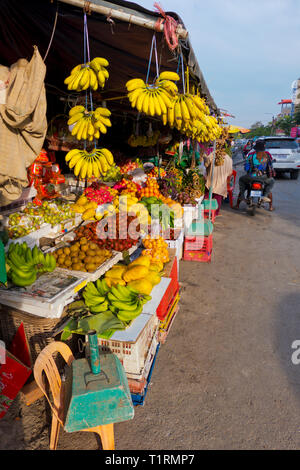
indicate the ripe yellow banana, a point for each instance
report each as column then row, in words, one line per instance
column 135, row 83
column 76, row 109
column 169, row 76
column 71, row 154
column 78, row 166
column 75, row 159
column 108, row 155
column 76, row 117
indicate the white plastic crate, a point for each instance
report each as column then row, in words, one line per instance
column 134, row 355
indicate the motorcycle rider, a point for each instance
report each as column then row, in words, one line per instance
column 259, row 167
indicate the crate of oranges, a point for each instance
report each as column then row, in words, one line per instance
column 85, row 257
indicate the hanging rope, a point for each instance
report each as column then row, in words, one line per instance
column 170, row 27
column 52, row 35
column 153, row 47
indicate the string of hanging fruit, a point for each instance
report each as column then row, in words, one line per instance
column 88, row 124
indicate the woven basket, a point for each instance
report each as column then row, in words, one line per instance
column 38, row 330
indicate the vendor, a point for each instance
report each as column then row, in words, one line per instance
column 222, row 169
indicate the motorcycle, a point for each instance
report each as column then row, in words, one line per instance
column 254, row 196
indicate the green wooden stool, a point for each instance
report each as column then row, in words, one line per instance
column 97, row 395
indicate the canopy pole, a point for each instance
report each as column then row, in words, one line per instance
column 212, row 179
column 123, row 16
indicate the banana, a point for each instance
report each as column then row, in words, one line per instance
column 169, row 76
column 101, row 61
column 151, row 105
column 133, row 95
column 95, row 169
column 171, row 115
column 103, row 162
column 139, row 103
column 35, row 254
column 184, row 110
column 70, row 154
column 90, row 127
column 177, row 113
column 76, row 117
column 76, row 81
column 99, row 308
column 78, row 166
column 82, row 131
column 105, row 73
column 124, row 315
column 120, row 295
column 76, row 69
column 23, row 282
column 101, row 127
column 125, row 305
column 105, row 121
column 83, row 169
column 75, row 159
column 77, row 126
column 145, row 106
column 76, row 109
column 101, row 78
column 166, row 98
column 108, row 155
column 134, row 84
column 103, row 112
column 93, row 79
column 161, row 102
column 156, row 105
column 89, row 172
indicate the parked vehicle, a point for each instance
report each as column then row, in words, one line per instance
column 285, row 152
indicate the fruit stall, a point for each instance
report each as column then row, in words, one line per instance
column 93, row 242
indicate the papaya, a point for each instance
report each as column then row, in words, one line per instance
column 143, row 286
column 154, row 278
column 156, row 266
column 135, row 272
column 142, row 260
column 116, row 272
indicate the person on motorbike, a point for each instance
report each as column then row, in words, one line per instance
column 259, row 167
column 247, row 147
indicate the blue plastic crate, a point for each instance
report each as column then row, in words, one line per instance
column 139, row 399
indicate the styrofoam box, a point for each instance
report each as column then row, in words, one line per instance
column 46, row 308
column 133, row 345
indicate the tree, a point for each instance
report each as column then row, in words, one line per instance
column 285, row 123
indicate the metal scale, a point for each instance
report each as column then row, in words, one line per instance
column 97, row 390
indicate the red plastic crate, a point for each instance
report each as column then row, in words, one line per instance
column 198, row 249
column 198, row 243
column 165, row 303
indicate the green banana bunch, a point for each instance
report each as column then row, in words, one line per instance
column 94, row 298
column 25, row 263
column 126, row 303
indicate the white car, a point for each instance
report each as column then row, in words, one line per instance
column 285, row 152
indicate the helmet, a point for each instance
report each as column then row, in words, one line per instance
column 259, row 145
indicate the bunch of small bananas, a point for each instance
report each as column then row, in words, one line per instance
column 89, row 75
column 89, row 164
column 143, row 140
column 88, row 125
column 155, row 99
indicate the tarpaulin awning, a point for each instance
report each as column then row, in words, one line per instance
column 235, row 129
column 125, row 45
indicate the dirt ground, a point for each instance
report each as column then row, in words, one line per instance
column 224, row 379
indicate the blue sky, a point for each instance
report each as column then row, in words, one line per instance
column 248, row 51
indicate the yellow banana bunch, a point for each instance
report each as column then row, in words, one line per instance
column 153, row 100
column 88, row 125
column 89, row 75
column 90, row 164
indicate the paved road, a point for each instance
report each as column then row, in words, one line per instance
column 224, row 379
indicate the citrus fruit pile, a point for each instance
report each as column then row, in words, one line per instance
column 156, row 249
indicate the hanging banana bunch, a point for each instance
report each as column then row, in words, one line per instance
column 87, row 164
column 88, row 125
column 153, row 99
column 90, row 75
